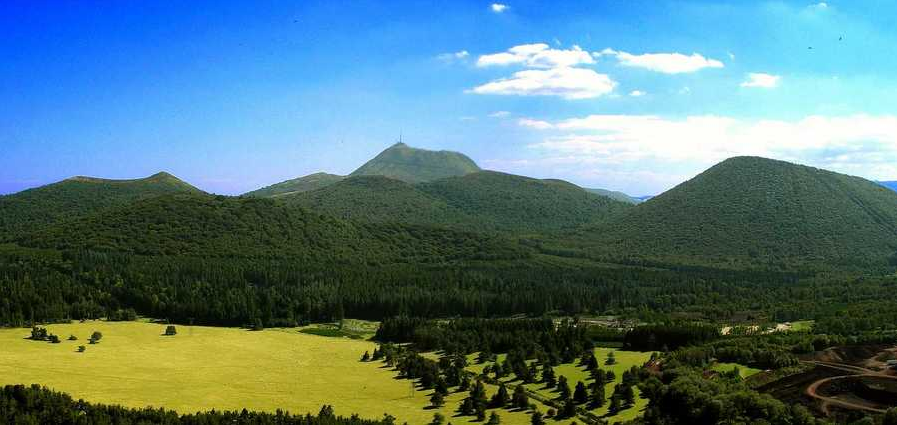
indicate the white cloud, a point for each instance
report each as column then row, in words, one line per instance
column 637, row 93
column 538, row 55
column 499, row 114
column 820, row 5
column 667, row 63
column 569, row 83
column 853, row 143
column 498, row 7
column 759, row 79
column 536, row 124
column 449, row 57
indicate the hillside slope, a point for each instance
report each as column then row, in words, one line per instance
column 302, row 184
column 760, row 210
column 516, row 203
column 217, row 226
column 615, row 195
column 412, row 165
column 481, row 201
column 79, row 196
column 379, row 199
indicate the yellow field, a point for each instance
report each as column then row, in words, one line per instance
column 205, row 368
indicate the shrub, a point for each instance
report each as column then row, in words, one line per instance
column 170, row 330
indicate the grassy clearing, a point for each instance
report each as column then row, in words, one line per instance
column 802, row 325
column 574, row 374
column 205, row 368
column 743, row 370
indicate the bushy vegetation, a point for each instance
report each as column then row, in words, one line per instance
column 25, row 405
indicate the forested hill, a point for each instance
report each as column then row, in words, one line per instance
column 299, row 185
column 523, row 204
column 217, row 226
column 413, row 165
column 79, row 196
column 758, row 210
column 381, row 199
column 481, row 201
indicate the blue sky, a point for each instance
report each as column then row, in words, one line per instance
column 633, row 96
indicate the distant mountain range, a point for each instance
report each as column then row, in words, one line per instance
column 409, row 205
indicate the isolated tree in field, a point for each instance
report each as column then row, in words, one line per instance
column 437, row 400
column 73, row 338
column 593, row 363
column 520, row 399
column 82, row 348
column 366, row 357
column 95, row 337
column 494, row 419
column 438, row 419
column 580, row 395
column 54, row 339
column 501, row 397
column 38, row 333
column 170, row 330
column 611, row 359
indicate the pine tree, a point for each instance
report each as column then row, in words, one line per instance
column 520, row 400
column 568, row 410
column 548, row 376
column 611, row 359
column 501, row 397
column 494, row 419
column 438, row 419
column 563, row 388
column 366, row 357
column 614, row 404
column 437, row 400
column 580, row 395
column 536, row 418
column 596, row 399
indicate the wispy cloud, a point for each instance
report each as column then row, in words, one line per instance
column 499, row 7
column 449, row 57
column 761, row 80
column 553, row 72
column 667, row 63
column 499, row 114
column 538, row 55
column 637, row 93
column 536, row 124
column 569, row 83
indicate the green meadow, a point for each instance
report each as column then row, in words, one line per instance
column 204, row 368
column 743, row 370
